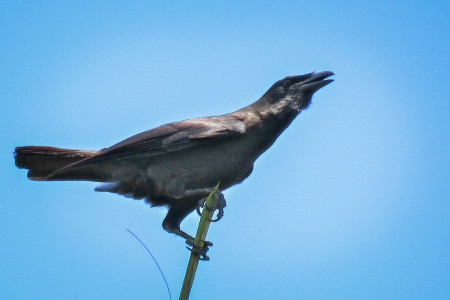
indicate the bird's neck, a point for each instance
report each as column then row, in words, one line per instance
column 269, row 121
column 276, row 116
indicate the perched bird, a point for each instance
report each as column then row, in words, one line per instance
column 178, row 164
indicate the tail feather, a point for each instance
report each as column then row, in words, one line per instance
column 41, row 161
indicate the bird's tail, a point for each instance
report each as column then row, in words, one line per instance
column 41, row 161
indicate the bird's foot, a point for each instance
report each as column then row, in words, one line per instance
column 220, row 204
column 200, row 251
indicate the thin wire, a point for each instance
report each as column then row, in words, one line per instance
column 162, row 274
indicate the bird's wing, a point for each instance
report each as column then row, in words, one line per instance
column 172, row 137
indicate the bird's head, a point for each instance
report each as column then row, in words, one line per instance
column 297, row 90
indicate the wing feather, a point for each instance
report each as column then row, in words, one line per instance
column 172, row 137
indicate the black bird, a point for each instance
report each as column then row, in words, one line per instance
column 178, row 164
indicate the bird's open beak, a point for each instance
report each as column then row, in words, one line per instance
column 317, row 81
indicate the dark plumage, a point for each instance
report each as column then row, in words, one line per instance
column 177, row 164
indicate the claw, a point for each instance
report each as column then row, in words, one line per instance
column 200, row 251
column 201, row 203
column 190, row 242
column 221, row 203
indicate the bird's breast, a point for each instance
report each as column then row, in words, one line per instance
column 199, row 169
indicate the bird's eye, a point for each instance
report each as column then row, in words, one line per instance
column 287, row 83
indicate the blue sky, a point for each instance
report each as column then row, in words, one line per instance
column 351, row 202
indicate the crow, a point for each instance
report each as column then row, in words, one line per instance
column 178, row 164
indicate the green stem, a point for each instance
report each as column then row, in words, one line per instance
column 207, row 214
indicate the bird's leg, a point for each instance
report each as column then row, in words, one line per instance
column 221, row 203
column 200, row 251
column 172, row 222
